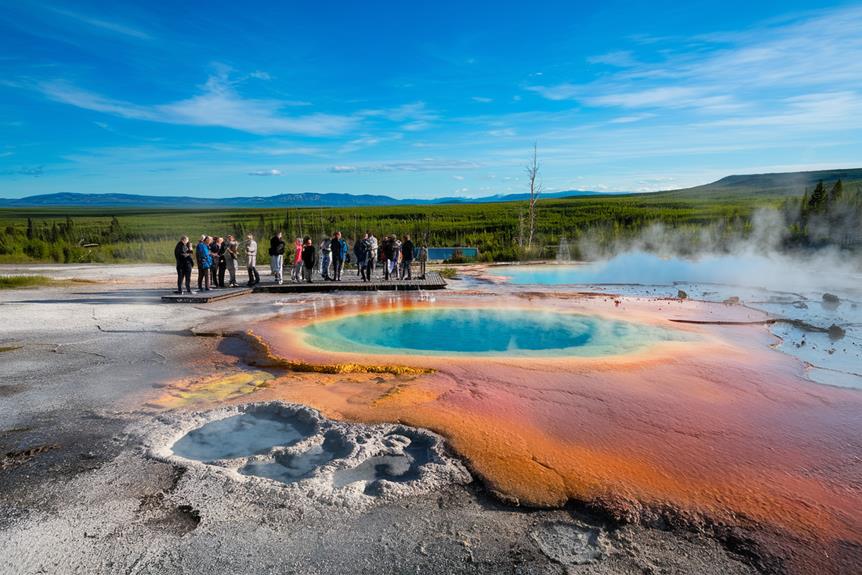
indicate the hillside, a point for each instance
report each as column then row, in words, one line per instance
column 767, row 185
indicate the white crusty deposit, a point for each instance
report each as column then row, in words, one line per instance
column 300, row 453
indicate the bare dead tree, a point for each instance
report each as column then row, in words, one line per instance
column 521, row 231
column 535, row 191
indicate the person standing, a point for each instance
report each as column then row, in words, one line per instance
column 307, row 259
column 406, row 258
column 276, row 256
column 371, row 256
column 325, row 257
column 423, row 260
column 205, row 262
column 215, row 247
column 296, row 272
column 339, row 254
column 222, row 261
column 396, row 254
column 231, row 257
column 251, row 260
column 360, row 250
column 185, row 261
column 387, row 249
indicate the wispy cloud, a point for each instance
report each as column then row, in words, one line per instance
column 33, row 171
column 825, row 111
column 739, row 74
column 631, row 119
column 413, row 117
column 423, row 165
column 218, row 104
column 105, row 25
column 272, row 172
column 482, row 99
column 619, row 58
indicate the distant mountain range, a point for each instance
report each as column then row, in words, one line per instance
column 304, row 200
column 779, row 184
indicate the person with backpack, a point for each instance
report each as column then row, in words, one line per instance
column 251, row 260
column 308, row 259
column 406, row 258
column 325, row 257
column 205, row 262
column 296, row 272
column 185, row 261
column 276, row 256
column 339, row 255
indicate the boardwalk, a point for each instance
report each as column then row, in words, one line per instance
column 351, row 282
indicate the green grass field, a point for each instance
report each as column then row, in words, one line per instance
column 149, row 235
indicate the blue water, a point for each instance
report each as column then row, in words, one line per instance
column 292, row 467
column 240, row 436
column 650, row 269
column 484, row 331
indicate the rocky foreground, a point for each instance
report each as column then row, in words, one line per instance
column 89, row 481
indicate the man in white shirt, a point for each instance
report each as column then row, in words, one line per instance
column 251, row 257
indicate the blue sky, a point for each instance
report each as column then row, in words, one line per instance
column 421, row 99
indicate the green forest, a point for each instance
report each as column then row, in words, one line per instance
column 828, row 214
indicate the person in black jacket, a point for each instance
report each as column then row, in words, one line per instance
column 360, row 250
column 222, row 261
column 307, row 258
column 339, row 253
column 185, row 260
column 276, row 256
column 387, row 252
column 407, row 249
column 215, row 248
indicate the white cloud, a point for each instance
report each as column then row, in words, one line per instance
column 564, row 91
column 217, row 105
column 669, row 96
column 459, row 178
column 423, row 165
column 824, row 111
column 631, row 119
column 737, row 75
column 482, row 99
column 33, row 171
column 105, row 25
column 272, row 172
column 620, row 59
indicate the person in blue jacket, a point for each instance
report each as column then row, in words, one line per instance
column 205, row 262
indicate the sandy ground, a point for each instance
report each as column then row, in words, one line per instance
column 80, row 491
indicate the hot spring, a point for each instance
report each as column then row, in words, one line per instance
column 487, row 332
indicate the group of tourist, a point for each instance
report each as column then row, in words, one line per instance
column 216, row 256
